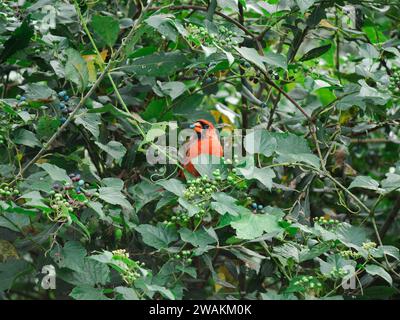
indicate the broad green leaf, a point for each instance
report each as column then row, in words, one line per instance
column 375, row 270
column 38, row 91
column 364, row 182
column 157, row 64
column 19, row 40
column 106, row 28
column 56, row 173
column 264, row 175
column 250, row 226
column 85, row 292
column 113, row 195
column 226, row 204
column 26, row 138
column 90, row 121
column 391, row 183
column 76, row 69
column 114, row 148
column 173, row 185
column 70, row 256
column 174, row 89
column 199, row 238
column 159, row 236
column 251, row 55
column 304, row 5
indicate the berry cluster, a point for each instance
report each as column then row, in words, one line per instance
column 129, row 268
column 337, row 273
column 7, row 192
column 256, row 206
column 326, row 222
column 394, row 84
column 199, row 35
column 350, row 254
column 79, row 183
column 200, row 187
column 63, row 106
column 308, row 283
column 21, row 101
column 184, row 256
column 61, row 208
column 273, row 74
column 369, row 245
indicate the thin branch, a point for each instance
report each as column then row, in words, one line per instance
column 201, row 8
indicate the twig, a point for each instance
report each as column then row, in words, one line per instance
column 201, row 8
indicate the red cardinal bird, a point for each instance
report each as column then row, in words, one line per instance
column 206, row 141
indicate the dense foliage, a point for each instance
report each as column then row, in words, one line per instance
column 88, row 87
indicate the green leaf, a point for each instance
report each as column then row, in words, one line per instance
column 76, row 69
column 251, row 55
column 264, row 175
column 90, row 121
column 174, row 89
column 56, row 173
column 14, row 221
column 260, row 141
column 91, row 273
column 351, row 236
column 199, row 238
column 113, row 195
column 26, row 138
column 227, row 204
column 126, row 293
column 375, row 270
column 71, row 256
column 159, row 236
column 304, row 5
column 364, row 182
column 19, row 40
column 38, row 92
column 173, row 185
column 11, row 270
column 275, row 59
column 83, row 292
column 114, row 148
column 315, row 53
column 106, row 29
column 164, row 24
column 391, row 183
column 250, row 226
column 158, row 64
column 290, row 147
column 46, row 127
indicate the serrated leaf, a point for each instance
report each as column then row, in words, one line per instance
column 159, row 236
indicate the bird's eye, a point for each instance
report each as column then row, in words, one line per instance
column 205, row 126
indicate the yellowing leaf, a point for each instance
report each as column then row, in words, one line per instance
column 7, row 250
column 225, row 276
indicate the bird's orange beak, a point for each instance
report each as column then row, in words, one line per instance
column 196, row 127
